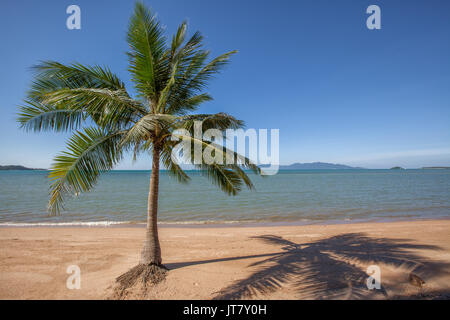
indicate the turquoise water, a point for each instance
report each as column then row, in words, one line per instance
column 308, row 196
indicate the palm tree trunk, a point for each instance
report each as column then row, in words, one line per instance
column 151, row 252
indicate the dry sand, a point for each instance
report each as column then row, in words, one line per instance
column 271, row 262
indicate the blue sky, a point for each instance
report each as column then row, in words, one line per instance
column 337, row 91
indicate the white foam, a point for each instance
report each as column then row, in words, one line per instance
column 61, row 224
column 111, row 223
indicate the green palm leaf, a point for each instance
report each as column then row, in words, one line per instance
column 90, row 152
column 51, row 76
column 38, row 116
column 147, row 44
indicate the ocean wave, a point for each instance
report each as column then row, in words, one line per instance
column 116, row 223
column 62, row 224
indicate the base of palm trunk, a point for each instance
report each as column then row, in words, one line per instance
column 138, row 279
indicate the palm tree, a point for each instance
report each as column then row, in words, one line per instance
column 108, row 122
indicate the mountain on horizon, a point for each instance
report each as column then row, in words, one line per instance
column 317, row 166
column 17, row 167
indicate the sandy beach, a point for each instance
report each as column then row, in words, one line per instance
column 270, row 262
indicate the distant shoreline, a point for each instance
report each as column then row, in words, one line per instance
column 293, row 167
column 280, row 170
column 18, row 168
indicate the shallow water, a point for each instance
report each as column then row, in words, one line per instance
column 307, row 195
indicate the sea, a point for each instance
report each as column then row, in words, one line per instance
column 289, row 197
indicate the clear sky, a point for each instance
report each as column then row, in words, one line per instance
column 337, row 91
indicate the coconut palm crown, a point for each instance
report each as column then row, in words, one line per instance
column 169, row 78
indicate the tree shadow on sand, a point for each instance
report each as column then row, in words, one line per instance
column 331, row 268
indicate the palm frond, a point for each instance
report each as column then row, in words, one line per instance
column 228, row 156
column 192, row 46
column 38, row 116
column 106, row 107
column 201, row 78
column 90, row 152
column 94, row 91
column 51, row 76
column 162, row 99
column 220, row 121
column 172, row 167
column 178, row 39
column 227, row 179
column 184, row 54
column 144, row 129
column 183, row 106
column 148, row 45
column 228, row 175
column 193, row 80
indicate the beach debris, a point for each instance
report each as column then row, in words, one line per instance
column 415, row 280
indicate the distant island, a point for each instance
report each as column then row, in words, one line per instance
column 317, row 166
column 17, row 167
column 294, row 166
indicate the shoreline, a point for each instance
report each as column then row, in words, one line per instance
column 210, row 224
